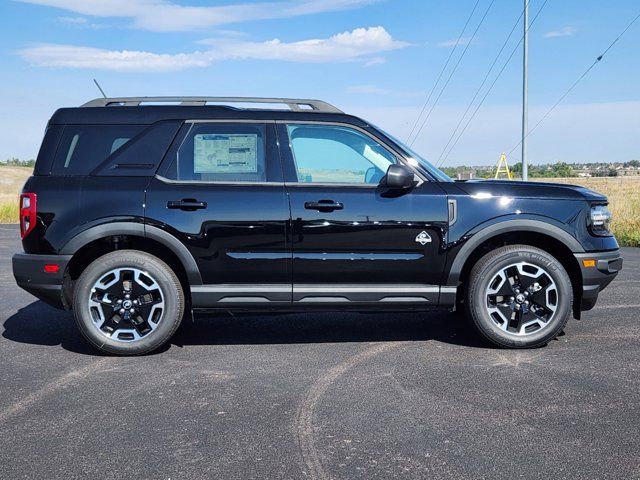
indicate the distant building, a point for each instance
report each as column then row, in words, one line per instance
column 466, row 175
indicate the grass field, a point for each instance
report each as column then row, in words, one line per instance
column 624, row 203
column 11, row 181
column 623, row 193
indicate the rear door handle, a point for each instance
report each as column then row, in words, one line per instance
column 188, row 204
column 324, row 205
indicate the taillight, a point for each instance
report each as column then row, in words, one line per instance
column 27, row 213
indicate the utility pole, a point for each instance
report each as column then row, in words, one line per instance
column 525, row 91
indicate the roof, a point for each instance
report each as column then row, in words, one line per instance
column 148, row 110
column 294, row 104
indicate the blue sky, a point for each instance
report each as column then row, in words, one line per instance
column 377, row 59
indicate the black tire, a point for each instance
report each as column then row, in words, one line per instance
column 481, row 305
column 171, row 307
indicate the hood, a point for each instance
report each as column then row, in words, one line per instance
column 539, row 190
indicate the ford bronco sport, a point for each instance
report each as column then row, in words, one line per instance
column 141, row 211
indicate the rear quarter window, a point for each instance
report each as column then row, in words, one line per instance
column 44, row 162
column 83, row 147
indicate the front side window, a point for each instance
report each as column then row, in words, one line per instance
column 336, row 154
column 215, row 152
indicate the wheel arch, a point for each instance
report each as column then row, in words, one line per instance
column 535, row 233
column 139, row 231
column 96, row 241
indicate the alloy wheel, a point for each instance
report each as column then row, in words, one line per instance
column 126, row 304
column 522, row 299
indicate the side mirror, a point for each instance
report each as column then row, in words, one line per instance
column 398, row 176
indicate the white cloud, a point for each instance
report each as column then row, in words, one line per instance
column 375, row 61
column 228, row 33
column 69, row 56
column 359, row 44
column 80, row 22
column 165, row 15
column 452, row 43
column 73, row 20
column 563, row 32
column 342, row 47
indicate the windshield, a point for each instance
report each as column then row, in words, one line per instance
column 420, row 161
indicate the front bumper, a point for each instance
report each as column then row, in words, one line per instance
column 29, row 272
column 595, row 279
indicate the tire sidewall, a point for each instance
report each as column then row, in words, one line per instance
column 486, row 270
column 172, row 295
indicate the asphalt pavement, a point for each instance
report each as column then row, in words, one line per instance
column 320, row 396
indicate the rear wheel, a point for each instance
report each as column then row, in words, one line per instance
column 519, row 296
column 128, row 302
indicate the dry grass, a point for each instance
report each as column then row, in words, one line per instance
column 624, row 203
column 11, row 181
column 623, row 193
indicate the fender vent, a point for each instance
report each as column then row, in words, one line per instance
column 453, row 211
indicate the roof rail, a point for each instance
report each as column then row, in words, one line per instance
column 295, row 104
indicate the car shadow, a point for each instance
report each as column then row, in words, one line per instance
column 39, row 324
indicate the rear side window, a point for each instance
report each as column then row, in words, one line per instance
column 83, row 147
column 224, row 152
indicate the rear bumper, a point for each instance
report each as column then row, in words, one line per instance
column 28, row 270
column 595, row 279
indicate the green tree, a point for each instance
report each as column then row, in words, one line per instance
column 561, row 169
column 450, row 171
column 18, row 163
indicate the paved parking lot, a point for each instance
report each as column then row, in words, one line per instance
column 326, row 396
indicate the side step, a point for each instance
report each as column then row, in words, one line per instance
column 247, row 296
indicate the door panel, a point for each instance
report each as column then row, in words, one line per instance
column 235, row 229
column 353, row 240
column 372, row 239
column 238, row 238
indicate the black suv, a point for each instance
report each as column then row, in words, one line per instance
column 143, row 210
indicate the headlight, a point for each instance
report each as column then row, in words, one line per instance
column 599, row 220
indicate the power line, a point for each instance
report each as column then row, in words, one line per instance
column 486, row 77
column 473, row 10
column 491, row 87
column 578, row 80
column 452, row 72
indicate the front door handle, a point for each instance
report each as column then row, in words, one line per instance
column 324, row 205
column 188, row 204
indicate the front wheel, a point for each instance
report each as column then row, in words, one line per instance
column 128, row 302
column 519, row 296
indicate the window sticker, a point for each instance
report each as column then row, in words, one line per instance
column 225, row 153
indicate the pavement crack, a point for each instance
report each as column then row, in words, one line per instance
column 304, row 428
column 23, row 404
